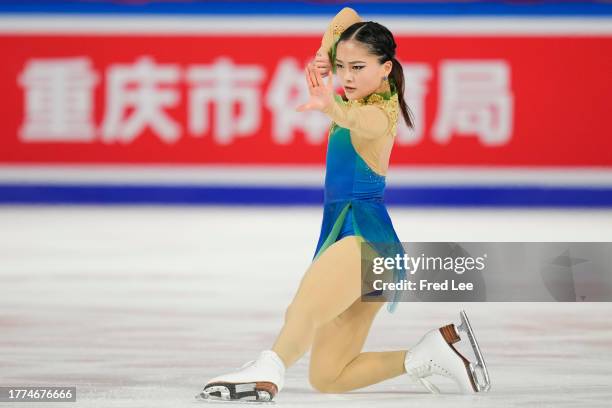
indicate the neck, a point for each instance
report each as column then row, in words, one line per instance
column 383, row 90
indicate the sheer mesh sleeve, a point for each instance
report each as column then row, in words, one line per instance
column 369, row 121
column 344, row 19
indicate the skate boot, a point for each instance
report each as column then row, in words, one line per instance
column 435, row 354
column 256, row 381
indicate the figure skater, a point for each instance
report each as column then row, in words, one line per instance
column 328, row 312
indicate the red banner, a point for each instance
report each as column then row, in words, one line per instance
column 508, row 101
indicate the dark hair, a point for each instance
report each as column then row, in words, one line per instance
column 379, row 41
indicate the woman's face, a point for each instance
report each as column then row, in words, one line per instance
column 359, row 72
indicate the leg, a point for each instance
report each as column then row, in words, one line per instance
column 337, row 364
column 329, row 286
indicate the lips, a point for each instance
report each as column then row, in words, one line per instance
column 349, row 89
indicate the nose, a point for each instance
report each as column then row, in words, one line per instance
column 348, row 77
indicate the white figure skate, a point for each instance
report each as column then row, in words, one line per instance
column 435, row 354
column 256, row 381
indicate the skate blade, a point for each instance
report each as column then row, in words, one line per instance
column 215, row 400
column 236, row 393
column 478, row 371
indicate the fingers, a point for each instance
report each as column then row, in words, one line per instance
column 323, row 69
column 308, row 79
column 313, row 76
column 324, row 72
column 321, row 63
column 318, row 78
column 303, row 107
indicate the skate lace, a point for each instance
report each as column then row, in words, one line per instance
column 250, row 363
column 418, row 373
column 247, row 364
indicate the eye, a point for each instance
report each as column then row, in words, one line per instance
column 358, row 67
column 338, row 65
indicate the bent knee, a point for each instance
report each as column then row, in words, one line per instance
column 324, row 380
column 322, row 384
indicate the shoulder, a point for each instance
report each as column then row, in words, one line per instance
column 390, row 106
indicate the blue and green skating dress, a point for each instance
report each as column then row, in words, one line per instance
column 354, row 192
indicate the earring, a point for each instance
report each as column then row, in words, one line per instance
column 384, row 86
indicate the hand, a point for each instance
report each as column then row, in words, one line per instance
column 321, row 94
column 322, row 63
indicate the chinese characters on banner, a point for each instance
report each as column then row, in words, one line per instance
column 475, row 100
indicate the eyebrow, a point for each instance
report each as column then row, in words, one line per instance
column 351, row 62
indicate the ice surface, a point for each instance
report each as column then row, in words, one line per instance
column 139, row 306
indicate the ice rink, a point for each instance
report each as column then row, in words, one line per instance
column 139, row 306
